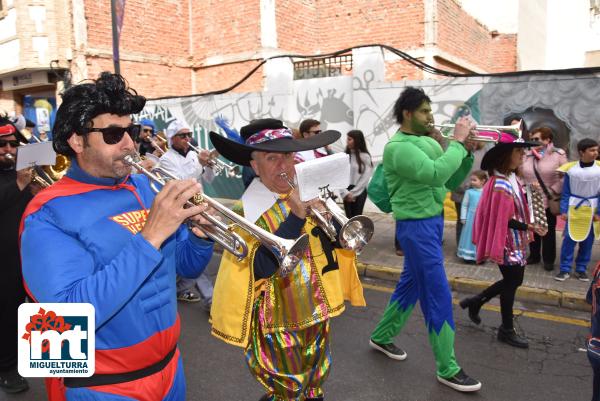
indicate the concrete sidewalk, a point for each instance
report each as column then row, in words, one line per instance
column 379, row 260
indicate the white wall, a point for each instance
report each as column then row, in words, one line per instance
column 555, row 34
column 568, row 32
column 501, row 16
column 531, row 37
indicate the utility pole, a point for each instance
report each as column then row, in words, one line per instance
column 115, row 36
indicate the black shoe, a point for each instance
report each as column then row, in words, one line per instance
column 582, row 276
column 266, row 397
column 548, row 267
column 188, row 296
column 390, row 350
column 314, row 399
column 532, row 261
column 474, row 304
column 511, row 337
column 12, row 382
column 461, row 382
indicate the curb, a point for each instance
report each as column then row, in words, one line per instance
column 563, row 299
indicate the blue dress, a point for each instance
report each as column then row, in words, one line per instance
column 466, row 248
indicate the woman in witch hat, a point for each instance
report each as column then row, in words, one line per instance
column 502, row 231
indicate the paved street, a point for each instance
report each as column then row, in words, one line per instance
column 552, row 369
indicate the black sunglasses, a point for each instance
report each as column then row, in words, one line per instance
column 13, row 143
column 185, row 134
column 114, row 135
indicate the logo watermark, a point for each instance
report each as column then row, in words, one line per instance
column 56, row 340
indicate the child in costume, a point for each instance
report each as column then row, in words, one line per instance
column 466, row 248
column 579, row 207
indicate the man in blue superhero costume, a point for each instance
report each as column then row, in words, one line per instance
column 101, row 236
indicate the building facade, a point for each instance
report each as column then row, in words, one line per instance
column 181, row 47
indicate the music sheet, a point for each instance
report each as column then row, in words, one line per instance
column 332, row 171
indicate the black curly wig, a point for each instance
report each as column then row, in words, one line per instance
column 81, row 103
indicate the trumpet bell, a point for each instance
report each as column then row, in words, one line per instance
column 356, row 233
column 294, row 251
column 59, row 168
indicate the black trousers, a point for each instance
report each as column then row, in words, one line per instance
column 545, row 244
column 355, row 208
column 512, row 278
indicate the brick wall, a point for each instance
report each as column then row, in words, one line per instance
column 225, row 27
column 298, row 26
column 159, row 59
column 504, row 53
column 347, row 23
column 223, row 76
column 463, row 36
column 155, row 51
column 150, row 81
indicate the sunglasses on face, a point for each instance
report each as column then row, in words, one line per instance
column 114, row 135
column 13, row 143
column 184, row 135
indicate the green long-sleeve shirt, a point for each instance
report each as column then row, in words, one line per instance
column 419, row 173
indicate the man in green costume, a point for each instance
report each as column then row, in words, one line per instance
column 418, row 174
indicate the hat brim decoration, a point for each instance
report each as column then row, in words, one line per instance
column 275, row 140
column 10, row 129
column 492, row 157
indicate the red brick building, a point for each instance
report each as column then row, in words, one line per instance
column 180, row 47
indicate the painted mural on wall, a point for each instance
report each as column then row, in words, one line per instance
column 567, row 103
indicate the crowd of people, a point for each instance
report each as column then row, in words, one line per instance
column 277, row 300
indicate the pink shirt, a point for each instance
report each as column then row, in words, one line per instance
column 546, row 166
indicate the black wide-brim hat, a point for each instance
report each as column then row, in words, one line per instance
column 493, row 156
column 240, row 153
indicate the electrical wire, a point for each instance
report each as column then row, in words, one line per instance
column 403, row 55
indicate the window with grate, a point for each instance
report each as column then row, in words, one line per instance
column 323, row 67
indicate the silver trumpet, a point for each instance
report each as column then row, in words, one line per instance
column 219, row 166
column 355, row 233
column 288, row 252
column 516, row 130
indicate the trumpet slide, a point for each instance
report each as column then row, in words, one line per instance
column 288, row 252
column 487, row 133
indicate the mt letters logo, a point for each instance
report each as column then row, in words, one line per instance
column 56, row 340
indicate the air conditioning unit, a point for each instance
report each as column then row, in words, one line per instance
column 25, row 80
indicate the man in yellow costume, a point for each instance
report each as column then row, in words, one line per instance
column 579, row 207
column 282, row 321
